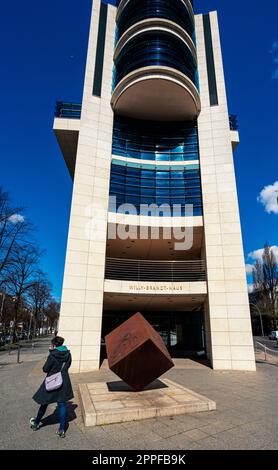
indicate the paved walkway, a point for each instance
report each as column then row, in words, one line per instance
column 246, row 415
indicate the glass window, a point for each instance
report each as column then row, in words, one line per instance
column 138, row 10
column 150, row 183
column 162, row 192
column 162, row 175
column 132, row 153
column 139, row 186
column 133, row 190
column 119, row 169
column 147, row 155
column 148, row 192
column 133, row 200
column 163, row 183
column 131, row 171
column 177, row 174
column 161, row 141
column 162, row 157
column 147, row 200
column 117, row 178
column 177, row 192
column 155, row 48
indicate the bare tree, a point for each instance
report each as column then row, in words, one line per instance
column 52, row 313
column 7, row 314
column 21, row 276
column 39, row 295
column 265, row 281
column 270, row 274
column 13, row 230
column 21, row 280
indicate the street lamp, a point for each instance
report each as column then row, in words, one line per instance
column 256, row 306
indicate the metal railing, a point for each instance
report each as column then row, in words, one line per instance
column 150, row 270
column 73, row 111
column 269, row 354
column 233, row 122
column 68, row 110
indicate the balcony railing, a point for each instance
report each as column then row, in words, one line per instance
column 68, row 110
column 73, row 111
column 233, row 122
column 162, row 271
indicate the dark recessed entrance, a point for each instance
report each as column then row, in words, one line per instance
column 182, row 332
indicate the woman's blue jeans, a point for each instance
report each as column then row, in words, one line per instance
column 62, row 409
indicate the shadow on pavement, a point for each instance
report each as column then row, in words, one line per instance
column 54, row 418
column 121, row 386
column 266, row 363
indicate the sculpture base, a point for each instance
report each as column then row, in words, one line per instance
column 114, row 402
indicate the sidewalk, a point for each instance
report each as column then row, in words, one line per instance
column 27, row 353
column 246, row 415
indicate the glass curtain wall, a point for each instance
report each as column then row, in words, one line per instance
column 156, row 141
column 155, row 49
column 139, row 186
column 139, row 10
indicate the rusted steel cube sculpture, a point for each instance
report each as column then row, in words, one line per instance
column 137, row 353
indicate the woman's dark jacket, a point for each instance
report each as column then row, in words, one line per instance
column 54, row 364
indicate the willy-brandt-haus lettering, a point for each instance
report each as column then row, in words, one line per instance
column 150, row 287
column 154, row 224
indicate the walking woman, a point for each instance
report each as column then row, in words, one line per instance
column 59, row 360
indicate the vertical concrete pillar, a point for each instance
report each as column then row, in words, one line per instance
column 227, row 310
column 82, row 298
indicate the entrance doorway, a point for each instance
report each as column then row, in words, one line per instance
column 182, row 332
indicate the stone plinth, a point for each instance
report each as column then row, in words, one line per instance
column 115, row 402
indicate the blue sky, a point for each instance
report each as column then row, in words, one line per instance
column 43, row 59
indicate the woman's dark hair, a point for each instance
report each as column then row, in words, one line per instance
column 57, row 341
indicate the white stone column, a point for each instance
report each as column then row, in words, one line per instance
column 82, row 298
column 228, row 305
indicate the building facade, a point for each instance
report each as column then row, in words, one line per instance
column 154, row 224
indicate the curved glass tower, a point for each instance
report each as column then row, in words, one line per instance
column 177, row 11
column 154, row 223
column 155, row 56
column 154, row 60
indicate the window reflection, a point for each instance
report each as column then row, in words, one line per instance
column 155, row 141
column 139, row 186
column 138, row 10
column 155, row 48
